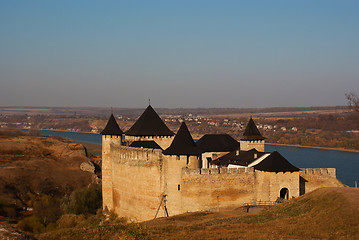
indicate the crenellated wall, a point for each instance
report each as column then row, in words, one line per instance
column 138, row 181
column 313, row 178
column 210, row 189
column 246, row 145
column 163, row 141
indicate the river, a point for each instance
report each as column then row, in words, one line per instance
column 346, row 163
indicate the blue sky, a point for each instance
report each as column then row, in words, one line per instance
column 178, row 53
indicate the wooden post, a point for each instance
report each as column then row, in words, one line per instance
column 217, row 203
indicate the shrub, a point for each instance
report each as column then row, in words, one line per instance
column 7, row 209
column 84, row 201
column 70, row 220
column 47, row 209
column 31, row 224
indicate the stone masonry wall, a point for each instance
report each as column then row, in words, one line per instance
column 269, row 184
column 208, row 189
column 138, row 181
column 313, row 178
column 248, row 145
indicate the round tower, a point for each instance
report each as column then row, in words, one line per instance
column 182, row 153
column 111, row 134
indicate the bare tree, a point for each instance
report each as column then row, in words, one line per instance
column 353, row 101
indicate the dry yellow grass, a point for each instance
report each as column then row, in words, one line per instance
column 33, row 164
column 327, row 213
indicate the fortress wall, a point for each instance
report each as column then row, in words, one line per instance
column 163, row 141
column 269, row 185
column 206, row 189
column 138, row 181
column 313, row 178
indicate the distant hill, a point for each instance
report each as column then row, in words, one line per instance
column 106, row 111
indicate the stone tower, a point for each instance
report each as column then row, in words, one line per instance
column 111, row 134
column 252, row 138
column 184, row 146
column 183, row 153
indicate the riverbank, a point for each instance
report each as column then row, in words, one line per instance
column 345, row 161
column 313, row 147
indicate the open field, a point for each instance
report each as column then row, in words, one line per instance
column 280, row 114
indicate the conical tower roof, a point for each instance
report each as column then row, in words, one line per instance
column 217, row 143
column 275, row 162
column 183, row 143
column 251, row 132
column 112, row 127
column 149, row 124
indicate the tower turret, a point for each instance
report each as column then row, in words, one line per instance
column 252, row 138
column 183, row 145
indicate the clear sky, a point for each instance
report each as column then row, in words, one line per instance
column 185, row 53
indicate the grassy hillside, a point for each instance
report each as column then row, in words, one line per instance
column 327, row 213
column 36, row 174
column 39, row 164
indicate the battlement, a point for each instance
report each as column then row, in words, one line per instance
column 216, row 171
column 111, row 136
column 320, row 171
column 126, row 153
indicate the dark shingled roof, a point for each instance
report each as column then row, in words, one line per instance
column 244, row 158
column 217, row 143
column 149, row 124
column 251, row 132
column 183, row 143
column 145, row 144
column 112, row 127
column 275, row 163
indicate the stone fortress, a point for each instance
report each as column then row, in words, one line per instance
column 149, row 170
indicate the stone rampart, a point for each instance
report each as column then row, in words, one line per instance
column 212, row 171
column 133, row 155
column 214, row 188
column 313, row 178
column 321, row 171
